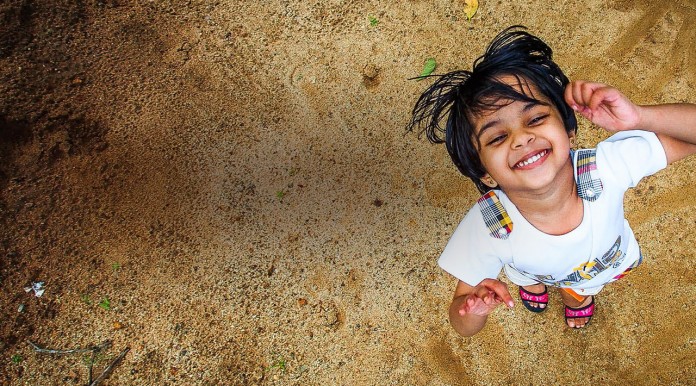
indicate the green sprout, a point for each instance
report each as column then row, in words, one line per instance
column 93, row 358
column 280, row 194
column 89, row 359
column 280, row 364
column 85, row 298
column 16, row 358
column 115, row 266
column 373, row 21
column 105, row 304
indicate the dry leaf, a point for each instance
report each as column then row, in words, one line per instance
column 470, row 8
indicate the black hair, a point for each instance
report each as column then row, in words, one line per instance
column 459, row 95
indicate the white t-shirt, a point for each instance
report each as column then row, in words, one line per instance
column 591, row 255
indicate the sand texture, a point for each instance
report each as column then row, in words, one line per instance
column 226, row 188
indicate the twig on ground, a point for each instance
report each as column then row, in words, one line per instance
column 93, row 350
column 107, row 371
column 39, row 349
column 91, row 364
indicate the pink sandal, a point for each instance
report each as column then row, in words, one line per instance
column 529, row 297
column 582, row 312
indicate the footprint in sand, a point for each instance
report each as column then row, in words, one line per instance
column 660, row 45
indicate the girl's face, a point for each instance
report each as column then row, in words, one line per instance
column 524, row 146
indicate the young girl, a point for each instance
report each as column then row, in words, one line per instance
column 550, row 215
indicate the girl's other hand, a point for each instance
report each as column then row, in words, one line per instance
column 477, row 306
column 485, row 297
column 603, row 105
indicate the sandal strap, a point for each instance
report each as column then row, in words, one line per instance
column 582, row 312
column 542, row 298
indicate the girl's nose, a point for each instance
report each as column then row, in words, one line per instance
column 521, row 138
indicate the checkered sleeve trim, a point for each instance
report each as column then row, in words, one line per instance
column 589, row 184
column 495, row 216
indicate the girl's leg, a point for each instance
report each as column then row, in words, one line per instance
column 528, row 284
column 571, row 301
column 538, row 289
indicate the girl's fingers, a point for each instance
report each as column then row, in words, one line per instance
column 586, row 91
column 466, row 307
column 471, row 305
column 496, row 288
column 572, row 93
column 579, row 93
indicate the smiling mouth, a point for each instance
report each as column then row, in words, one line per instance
column 532, row 159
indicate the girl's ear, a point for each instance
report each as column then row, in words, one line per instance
column 571, row 137
column 489, row 181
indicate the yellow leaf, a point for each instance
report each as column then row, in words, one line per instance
column 470, row 8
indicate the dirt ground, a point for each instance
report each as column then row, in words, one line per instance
column 226, row 188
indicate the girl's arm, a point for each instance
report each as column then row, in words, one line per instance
column 605, row 106
column 471, row 306
column 675, row 126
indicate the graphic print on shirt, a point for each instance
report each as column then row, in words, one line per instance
column 586, row 271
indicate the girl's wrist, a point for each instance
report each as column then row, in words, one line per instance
column 642, row 121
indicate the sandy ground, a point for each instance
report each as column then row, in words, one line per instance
column 235, row 179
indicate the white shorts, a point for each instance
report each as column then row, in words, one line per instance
column 516, row 277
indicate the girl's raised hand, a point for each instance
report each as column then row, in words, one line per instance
column 603, row 105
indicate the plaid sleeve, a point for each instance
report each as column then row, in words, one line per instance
column 495, row 216
column 589, row 183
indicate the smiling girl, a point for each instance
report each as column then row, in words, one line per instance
column 550, row 216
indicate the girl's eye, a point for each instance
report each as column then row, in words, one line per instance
column 497, row 139
column 537, row 120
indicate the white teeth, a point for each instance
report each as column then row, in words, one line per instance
column 531, row 159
